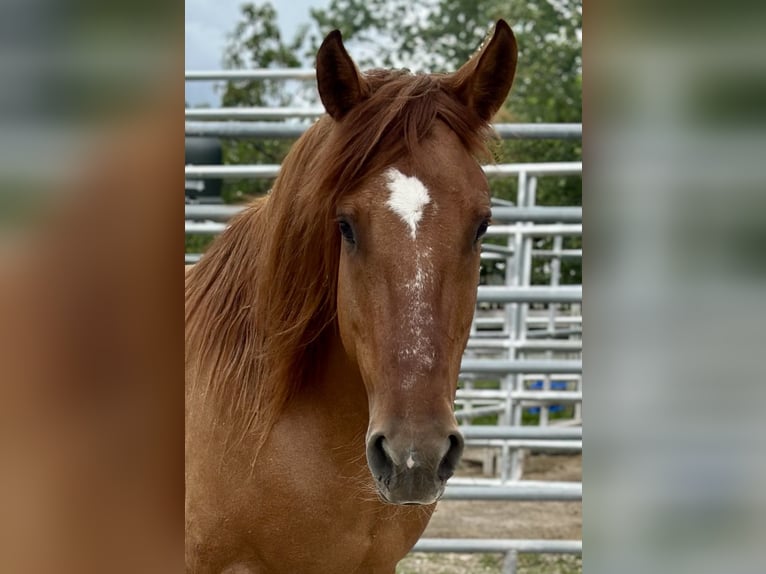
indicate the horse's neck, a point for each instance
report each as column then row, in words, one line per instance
column 338, row 397
column 343, row 381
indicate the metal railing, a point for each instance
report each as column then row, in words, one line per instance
column 250, row 75
column 509, row 337
column 519, row 352
column 202, row 122
column 271, row 171
column 498, row 545
column 504, row 214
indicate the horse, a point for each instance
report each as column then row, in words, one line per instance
column 325, row 326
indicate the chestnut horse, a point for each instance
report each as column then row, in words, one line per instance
column 325, row 326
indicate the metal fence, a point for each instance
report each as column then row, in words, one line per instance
column 525, row 348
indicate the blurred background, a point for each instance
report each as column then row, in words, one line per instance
column 675, row 283
column 91, row 307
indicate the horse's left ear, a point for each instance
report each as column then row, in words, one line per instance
column 484, row 81
column 340, row 84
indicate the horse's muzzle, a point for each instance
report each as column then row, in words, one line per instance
column 413, row 471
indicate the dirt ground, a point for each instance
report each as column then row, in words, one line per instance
column 497, row 519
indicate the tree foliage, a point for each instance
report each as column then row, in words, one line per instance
column 256, row 42
column 442, row 34
column 437, row 36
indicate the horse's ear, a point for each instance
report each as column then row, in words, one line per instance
column 484, row 81
column 340, row 84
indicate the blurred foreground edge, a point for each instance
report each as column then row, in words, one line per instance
column 91, row 356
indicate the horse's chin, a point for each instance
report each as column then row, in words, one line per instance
column 392, row 498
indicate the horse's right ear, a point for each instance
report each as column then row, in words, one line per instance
column 340, row 84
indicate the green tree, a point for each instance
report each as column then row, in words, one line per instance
column 439, row 36
column 442, row 34
column 256, row 42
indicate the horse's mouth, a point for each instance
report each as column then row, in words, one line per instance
column 385, row 498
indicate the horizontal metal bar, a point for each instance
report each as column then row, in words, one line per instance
column 203, row 228
column 534, row 376
column 544, row 445
column 260, row 113
column 567, row 253
column 247, row 130
column 496, row 255
column 253, row 74
column 482, row 315
column 536, row 294
column 539, row 131
column 484, row 256
column 483, row 321
column 554, row 168
column 271, row 130
column 506, row 343
column 511, row 366
column 558, row 333
column 212, row 212
column 543, row 230
column 552, row 345
column 497, row 545
column 231, row 171
column 521, row 490
column 538, row 214
column 518, row 432
column 212, row 228
column 549, row 396
column 271, row 170
column 532, row 230
column 533, row 214
column 482, row 394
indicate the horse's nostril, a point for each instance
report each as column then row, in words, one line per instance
column 378, row 459
column 451, row 459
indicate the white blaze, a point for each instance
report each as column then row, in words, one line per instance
column 408, row 198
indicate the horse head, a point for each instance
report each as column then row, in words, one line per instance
column 409, row 255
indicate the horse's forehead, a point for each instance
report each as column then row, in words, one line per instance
column 423, row 195
column 441, row 169
column 407, row 198
column 420, row 207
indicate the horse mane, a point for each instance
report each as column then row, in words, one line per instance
column 261, row 303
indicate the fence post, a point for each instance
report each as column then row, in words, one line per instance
column 510, row 562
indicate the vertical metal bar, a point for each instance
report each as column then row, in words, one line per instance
column 512, row 465
column 525, row 280
column 555, row 264
column 510, row 562
column 468, row 404
column 512, row 382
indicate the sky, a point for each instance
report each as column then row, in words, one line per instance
column 207, row 24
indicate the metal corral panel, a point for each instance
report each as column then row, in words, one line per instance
column 473, row 545
column 505, row 366
column 521, row 490
column 273, row 130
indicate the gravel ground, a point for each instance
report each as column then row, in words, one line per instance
column 491, row 519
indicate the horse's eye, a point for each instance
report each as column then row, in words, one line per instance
column 482, row 229
column 346, row 231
